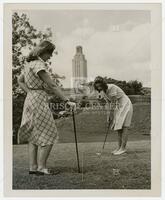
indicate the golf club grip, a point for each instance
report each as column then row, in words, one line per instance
column 74, row 126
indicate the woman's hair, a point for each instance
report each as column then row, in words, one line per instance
column 44, row 47
column 102, row 82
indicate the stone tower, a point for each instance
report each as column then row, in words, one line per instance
column 79, row 68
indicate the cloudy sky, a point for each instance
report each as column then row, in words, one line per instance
column 116, row 44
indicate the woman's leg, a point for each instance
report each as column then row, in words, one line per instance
column 43, row 154
column 32, row 157
column 123, row 141
column 124, row 138
column 119, row 139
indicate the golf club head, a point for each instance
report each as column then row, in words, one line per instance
column 99, row 154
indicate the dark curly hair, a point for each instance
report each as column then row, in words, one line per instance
column 44, row 47
column 101, row 81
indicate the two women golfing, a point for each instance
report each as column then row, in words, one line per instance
column 38, row 126
column 119, row 111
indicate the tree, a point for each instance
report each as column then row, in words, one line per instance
column 137, row 86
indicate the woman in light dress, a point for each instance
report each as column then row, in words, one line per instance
column 119, row 111
column 38, row 127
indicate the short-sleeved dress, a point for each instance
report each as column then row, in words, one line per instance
column 37, row 125
column 123, row 109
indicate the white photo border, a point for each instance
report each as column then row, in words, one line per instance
column 156, row 99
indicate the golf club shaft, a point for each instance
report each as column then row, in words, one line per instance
column 74, row 125
column 109, row 122
column 106, row 135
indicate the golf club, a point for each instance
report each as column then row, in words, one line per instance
column 75, row 134
column 109, row 123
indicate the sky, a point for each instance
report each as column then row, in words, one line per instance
column 115, row 43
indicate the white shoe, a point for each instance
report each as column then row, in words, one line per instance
column 47, row 172
column 114, row 151
column 119, row 152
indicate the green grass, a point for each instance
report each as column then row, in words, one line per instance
column 97, row 172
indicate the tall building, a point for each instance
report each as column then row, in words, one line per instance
column 79, row 68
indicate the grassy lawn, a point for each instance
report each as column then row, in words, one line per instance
column 97, row 172
column 91, row 126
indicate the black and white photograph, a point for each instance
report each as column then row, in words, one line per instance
column 82, row 97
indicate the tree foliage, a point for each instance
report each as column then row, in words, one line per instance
column 133, row 87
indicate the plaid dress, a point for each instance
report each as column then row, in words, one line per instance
column 38, row 125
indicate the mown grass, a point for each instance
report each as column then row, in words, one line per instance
column 91, row 126
column 96, row 172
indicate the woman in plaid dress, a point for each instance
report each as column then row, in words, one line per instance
column 38, row 126
column 119, row 111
